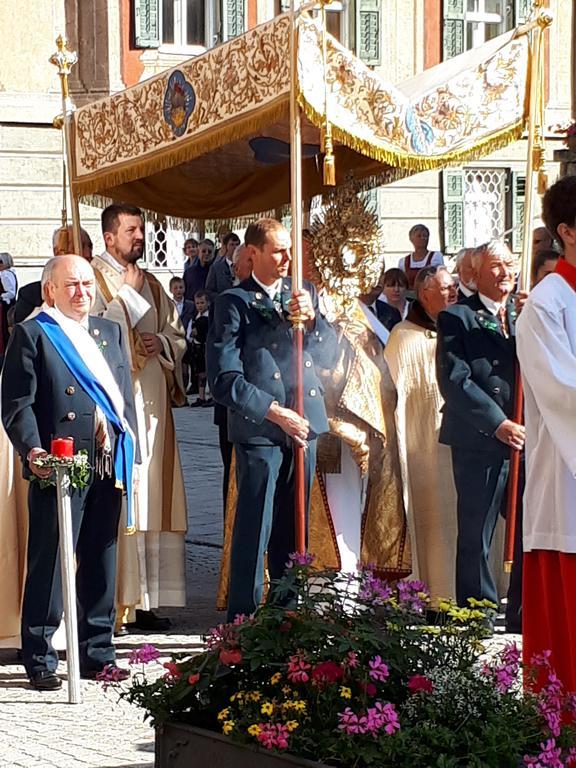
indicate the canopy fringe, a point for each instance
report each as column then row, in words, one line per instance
column 416, row 163
column 192, row 147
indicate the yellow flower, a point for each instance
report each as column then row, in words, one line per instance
column 286, row 690
column 228, row 727
column 254, row 730
column 253, row 696
column 275, row 679
column 267, row 708
column 299, row 706
column 444, row 605
column 239, row 696
column 292, row 725
column 345, row 692
column 224, row 714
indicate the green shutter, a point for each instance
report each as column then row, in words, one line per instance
column 147, row 23
column 368, row 31
column 518, row 205
column 233, row 18
column 522, row 11
column 453, row 32
column 453, row 201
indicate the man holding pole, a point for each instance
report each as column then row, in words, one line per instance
column 547, row 353
column 252, row 371
column 67, row 375
column 475, row 362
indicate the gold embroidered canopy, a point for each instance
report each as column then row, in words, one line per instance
column 210, row 138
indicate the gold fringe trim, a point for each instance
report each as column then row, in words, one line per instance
column 186, row 150
column 415, row 163
column 190, row 226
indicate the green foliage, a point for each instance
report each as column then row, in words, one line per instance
column 347, row 671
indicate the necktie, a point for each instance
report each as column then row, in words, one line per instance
column 278, row 302
column 503, row 318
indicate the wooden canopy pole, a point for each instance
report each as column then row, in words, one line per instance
column 298, row 323
column 534, row 165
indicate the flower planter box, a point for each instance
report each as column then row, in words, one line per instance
column 182, row 746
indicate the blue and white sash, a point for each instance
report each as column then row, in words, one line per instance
column 125, row 448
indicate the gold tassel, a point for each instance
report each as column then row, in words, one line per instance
column 542, row 182
column 329, row 159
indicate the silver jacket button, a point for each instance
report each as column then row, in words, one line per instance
column 70, row 415
column 70, row 390
column 312, row 393
column 277, row 375
column 308, row 364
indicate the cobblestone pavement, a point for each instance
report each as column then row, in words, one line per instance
column 42, row 729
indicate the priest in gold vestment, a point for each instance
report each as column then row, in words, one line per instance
column 357, row 515
column 429, row 491
column 151, row 563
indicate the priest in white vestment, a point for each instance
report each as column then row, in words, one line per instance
column 546, row 347
column 151, row 567
column 429, row 492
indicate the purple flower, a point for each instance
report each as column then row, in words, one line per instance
column 302, row 559
column 377, row 718
column 504, row 671
column 143, row 655
column 373, row 590
column 413, row 595
column 378, row 669
column 549, row 756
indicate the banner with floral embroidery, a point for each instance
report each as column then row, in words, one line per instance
column 210, row 138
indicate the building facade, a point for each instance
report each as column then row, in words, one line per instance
column 120, row 42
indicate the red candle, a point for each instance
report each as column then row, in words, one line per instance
column 63, row 447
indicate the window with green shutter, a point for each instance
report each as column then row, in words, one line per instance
column 453, row 204
column 368, row 31
column 233, row 18
column 147, row 23
column 453, row 37
column 518, row 201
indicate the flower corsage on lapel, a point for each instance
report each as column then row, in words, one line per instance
column 100, row 343
column 488, row 320
column 267, row 312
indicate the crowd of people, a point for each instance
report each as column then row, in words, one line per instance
column 407, row 426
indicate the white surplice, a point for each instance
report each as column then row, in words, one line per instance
column 546, row 345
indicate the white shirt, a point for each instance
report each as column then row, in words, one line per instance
column 8, row 279
column 179, row 306
column 492, row 306
column 437, row 260
column 271, row 290
column 465, row 290
column 546, row 346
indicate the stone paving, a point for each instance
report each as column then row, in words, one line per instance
column 41, row 730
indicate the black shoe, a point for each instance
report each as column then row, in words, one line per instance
column 110, row 673
column 149, row 622
column 45, row 680
column 208, row 403
column 200, row 402
column 122, row 631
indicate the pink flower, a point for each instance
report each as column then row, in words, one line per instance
column 143, row 655
column 298, row 670
column 273, row 735
column 193, row 679
column 110, row 674
column 378, row 670
column 350, row 723
column 230, row 657
column 327, row 672
column 418, row 683
column 549, row 756
column 351, row 660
